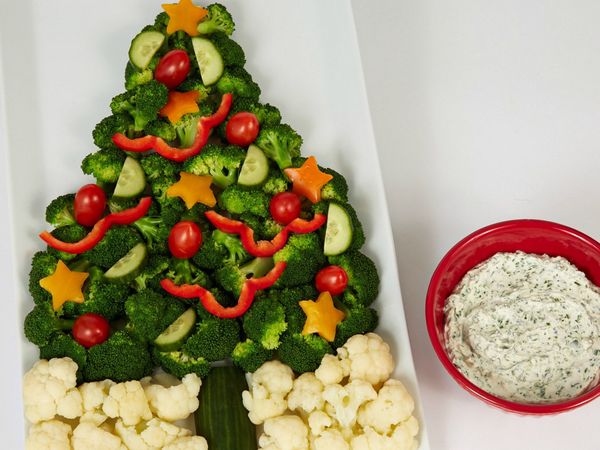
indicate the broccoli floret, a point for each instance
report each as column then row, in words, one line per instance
column 107, row 127
column 217, row 19
column 265, row 322
column 186, row 128
column 161, row 22
column 249, row 355
column 304, row 257
column 222, row 163
column 280, row 143
column 105, row 165
column 214, row 339
column 336, row 189
column 303, row 353
column 162, row 129
column 69, row 233
column 290, row 298
column 63, row 345
column 143, row 103
column 180, row 364
column 211, row 254
column 159, row 187
column 235, row 250
column 263, row 227
column 155, row 232
column 363, row 279
column 43, row 264
column 120, row 358
column 156, row 167
column 238, row 82
column 182, row 271
column 359, row 320
column 150, row 276
column 230, row 51
column 180, row 40
column 135, row 77
column 238, row 199
column 59, row 212
column 231, row 276
column 150, row 313
column 114, row 245
column 275, row 183
column 193, row 83
column 43, row 322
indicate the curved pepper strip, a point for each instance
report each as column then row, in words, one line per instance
column 149, row 142
column 210, row 303
column 124, row 217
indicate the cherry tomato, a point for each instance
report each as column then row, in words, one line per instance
column 89, row 205
column 242, row 129
column 285, row 207
column 172, row 68
column 333, row 279
column 90, row 329
column 185, row 239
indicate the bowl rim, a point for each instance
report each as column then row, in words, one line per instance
column 438, row 346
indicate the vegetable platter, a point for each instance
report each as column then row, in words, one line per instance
column 67, row 65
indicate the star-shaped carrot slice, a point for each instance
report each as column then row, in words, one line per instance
column 180, row 103
column 308, row 180
column 184, row 16
column 64, row 285
column 193, row 189
column 322, row 316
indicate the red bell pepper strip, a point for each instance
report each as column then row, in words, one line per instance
column 263, row 248
column 220, row 114
column 210, row 303
column 141, row 144
column 124, row 217
column 223, row 223
column 301, row 226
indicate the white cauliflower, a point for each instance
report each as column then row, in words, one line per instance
column 345, row 400
column 153, row 435
column 127, row 401
column 370, row 358
column 87, row 436
column 284, row 433
column 392, row 406
column 332, row 370
column 331, row 440
column 306, row 393
column 269, row 385
column 401, row 439
column 49, row 390
column 188, row 443
column 176, row 402
column 93, row 394
column 53, row 435
column 319, row 421
column 405, row 434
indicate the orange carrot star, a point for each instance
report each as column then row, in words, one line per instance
column 184, row 16
column 180, row 103
column 308, row 180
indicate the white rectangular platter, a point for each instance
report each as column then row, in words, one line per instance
column 62, row 61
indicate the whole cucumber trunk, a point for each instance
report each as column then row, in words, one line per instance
column 221, row 417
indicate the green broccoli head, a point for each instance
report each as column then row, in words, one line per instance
column 150, row 313
column 105, row 165
column 143, row 103
column 194, row 83
column 179, row 364
column 161, row 21
column 68, row 233
column 182, row 271
column 114, row 245
column 214, row 339
column 238, row 199
column 336, row 189
column 59, row 212
column 280, row 143
column 155, row 233
column 221, row 163
column 218, row 19
column 64, row 346
column 275, row 183
column 358, row 320
column 212, row 254
column 43, row 264
column 100, row 297
column 363, row 279
column 120, row 358
column 156, row 167
column 42, row 323
column 235, row 250
column 249, row 355
column 230, row 51
column 152, row 273
column 231, row 277
column 290, row 298
column 265, row 322
column 303, row 353
column 238, row 81
column 135, row 77
column 180, row 40
column 304, row 257
column 264, row 227
column 161, row 128
column 106, row 129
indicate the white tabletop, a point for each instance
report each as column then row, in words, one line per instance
column 483, row 111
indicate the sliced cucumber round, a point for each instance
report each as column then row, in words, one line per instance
column 128, row 266
column 144, row 46
column 209, row 60
column 132, row 180
column 175, row 335
column 255, row 168
column 338, row 233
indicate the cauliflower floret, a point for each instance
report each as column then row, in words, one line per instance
column 401, row 439
column 49, row 389
column 345, row 400
column 153, row 436
column 176, row 402
column 284, row 433
column 370, row 358
column 392, row 406
column 318, row 421
column 54, row 434
column 94, row 394
column 332, row 370
column 87, row 436
column 95, row 417
column 331, row 440
column 188, row 443
column 127, row 401
column 269, row 385
column 405, row 434
column 306, row 394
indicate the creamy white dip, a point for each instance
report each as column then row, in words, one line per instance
column 526, row 328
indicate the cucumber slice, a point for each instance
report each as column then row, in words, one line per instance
column 175, row 335
column 209, row 60
column 258, row 267
column 144, row 46
column 127, row 267
column 132, row 180
column 255, row 168
column 338, row 233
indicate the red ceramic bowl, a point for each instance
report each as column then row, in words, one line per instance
column 531, row 236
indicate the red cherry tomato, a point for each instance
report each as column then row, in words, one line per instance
column 333, row 279
column 185, row 239
column 242, row 129
column 89, row 205
column 172, row 68
column 90, row 329
column 285, row 207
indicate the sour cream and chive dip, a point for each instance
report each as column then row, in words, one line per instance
column 525, row 328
